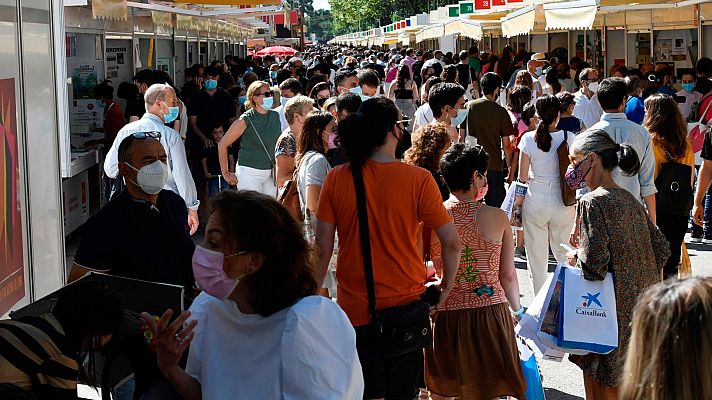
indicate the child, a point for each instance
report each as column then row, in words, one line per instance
column 211, row 163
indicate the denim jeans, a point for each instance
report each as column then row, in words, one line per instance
column 216, row 185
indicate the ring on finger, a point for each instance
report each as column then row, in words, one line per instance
column 178, row 338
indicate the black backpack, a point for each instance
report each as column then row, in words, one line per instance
column 675, row 195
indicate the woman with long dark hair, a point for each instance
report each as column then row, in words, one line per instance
column 616, row 236
column 546, row 220
column 398, row 197
column 670, row 145
column 404, row 92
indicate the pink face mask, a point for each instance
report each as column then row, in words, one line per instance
column 332, row 136
column 481, row 192
column 209, row 273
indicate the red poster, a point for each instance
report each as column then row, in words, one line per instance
column 515, row 1
column 12, row 273
column 482, row 4
column 499, row 2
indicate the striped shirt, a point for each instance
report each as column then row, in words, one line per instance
column 35, row 355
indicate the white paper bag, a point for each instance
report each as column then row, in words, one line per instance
column 529, row 325
column 588, row 318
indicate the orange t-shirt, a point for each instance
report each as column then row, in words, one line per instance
column 398, row 198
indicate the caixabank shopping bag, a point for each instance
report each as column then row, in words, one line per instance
column 587, row 318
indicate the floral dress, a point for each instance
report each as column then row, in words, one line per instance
column 618, row 237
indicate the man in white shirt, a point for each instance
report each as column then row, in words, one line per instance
column 586, row 107
column 288, row 89
column 692, row 98
column 161, row 107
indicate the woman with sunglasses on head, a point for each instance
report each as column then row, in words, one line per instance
column 258, row 129
column 616, row 236
column 546, row 219
column 257, row 331
column 474, row 354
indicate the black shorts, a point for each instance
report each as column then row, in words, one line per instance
column 390, row 378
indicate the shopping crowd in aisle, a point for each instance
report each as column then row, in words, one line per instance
column 360, row 214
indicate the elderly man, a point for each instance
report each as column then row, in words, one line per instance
column 161, row 108
column 141, row 233
column 587, row 108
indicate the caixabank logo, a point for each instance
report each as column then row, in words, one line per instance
column 592, row 306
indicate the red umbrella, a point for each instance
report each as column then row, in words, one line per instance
column 277, row 51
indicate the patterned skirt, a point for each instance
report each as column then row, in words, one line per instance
column 474, row 355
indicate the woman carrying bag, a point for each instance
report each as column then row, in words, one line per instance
column 616, row 236
column 546, row 219
column 258, row 130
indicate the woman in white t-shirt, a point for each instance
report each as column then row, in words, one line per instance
column 256, row 331
column 546, row 220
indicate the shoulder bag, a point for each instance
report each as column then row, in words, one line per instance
column 568, row 195
column 675, row 195
column 398, row 330
column 288, row 195
column 271, row 158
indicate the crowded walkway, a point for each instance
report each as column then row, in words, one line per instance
column 350, row 223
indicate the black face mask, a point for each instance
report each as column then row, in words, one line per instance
column 301, row 71
column 320, row 102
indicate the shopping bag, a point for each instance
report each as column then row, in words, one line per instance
column 512, row 204
column 528, row 326
column 548, row 328
column 532, row 376
column 587, row 319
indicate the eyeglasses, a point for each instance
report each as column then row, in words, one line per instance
column 404, row 122
column 144, row 135
column 573, row 162
column 265, row 94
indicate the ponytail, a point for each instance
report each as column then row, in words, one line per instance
column 628, row 160
column 362, row 132
column 548, row 109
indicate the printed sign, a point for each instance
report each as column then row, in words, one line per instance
column 482, row 4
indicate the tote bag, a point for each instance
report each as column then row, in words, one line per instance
column 587, row 317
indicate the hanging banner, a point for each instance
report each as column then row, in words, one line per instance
column 467, row 8
column 453, row 11
column 183, row 21
column 12, row 272
column 482, row 4
column 109, row 9
column 499, row 2
column 162, row 18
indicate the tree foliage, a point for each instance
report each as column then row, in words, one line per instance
column 359, row 15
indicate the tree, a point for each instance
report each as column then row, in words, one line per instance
column 359, row 15
column 320, row 24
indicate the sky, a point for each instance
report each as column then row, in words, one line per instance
column 321, row 4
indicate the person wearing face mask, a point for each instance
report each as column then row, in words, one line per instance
column 143, row 80
column 546, row 219
column 320, row 93
column 257, row 331
column 587, row 107
column 162, row 107
column 142, row 232
column 474, row 354
column 345, row 80
column 296, row 110
column 687, row 83
column 429, row 144
column 368, row 85
column 489, row 123
column 398, row 198
column 298, row 71
column 535, row 70
column 258, row 130
column 447, row 100
column 634, row 106
column 615, row 236
column 288, row 89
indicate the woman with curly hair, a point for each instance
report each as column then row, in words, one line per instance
column 429, row 144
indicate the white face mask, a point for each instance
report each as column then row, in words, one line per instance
column 593, row 87
column 152, row 177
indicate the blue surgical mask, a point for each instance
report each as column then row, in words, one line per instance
column 364, row 97
column 688, row 87
column 460, row 117
column 538, row 71
column 283, row 101
column 267, row 103
column 273, row 75
column 356, row 90
column 242, row 99
column 210, row 84
column 172, row 114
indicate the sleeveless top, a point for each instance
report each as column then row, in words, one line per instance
column 477, row 280
column 403, row 94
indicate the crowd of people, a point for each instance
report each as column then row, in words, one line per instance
column 347, row 232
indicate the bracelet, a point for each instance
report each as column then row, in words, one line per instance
column 519, row 312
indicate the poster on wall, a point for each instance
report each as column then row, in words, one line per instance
column 164, row 64
column 86, row 113
column 12, row 271
column 115, row 61
column 663, row 49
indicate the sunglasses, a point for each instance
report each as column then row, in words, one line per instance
column 404, row 122
column 144, row 135
column 265, row 94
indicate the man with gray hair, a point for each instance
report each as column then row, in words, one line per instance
column 161, row 108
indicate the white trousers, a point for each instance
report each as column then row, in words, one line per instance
column 259, row 180
column 547, row 223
